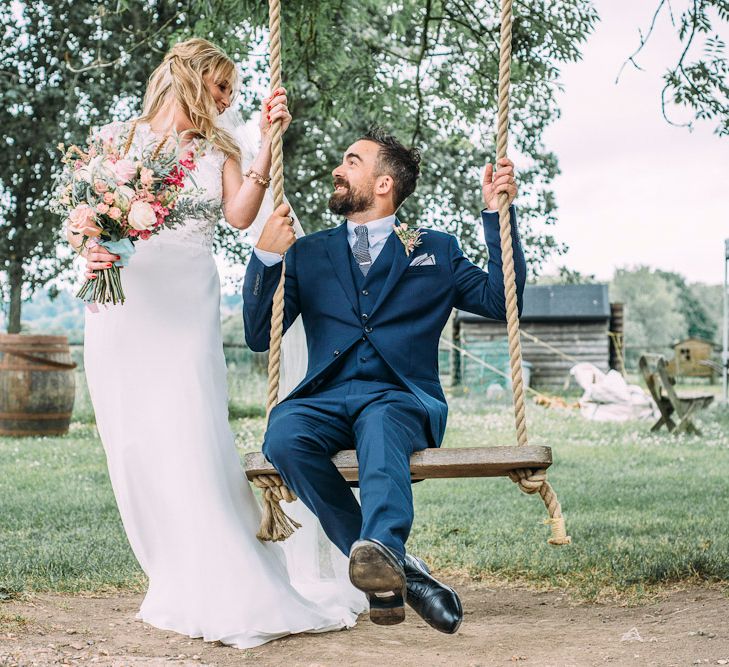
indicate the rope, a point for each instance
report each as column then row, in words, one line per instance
column 507, row 252
column 277, row 180
column 275, row 524
column 552, row 348
column 546, row 399
column 529, row 481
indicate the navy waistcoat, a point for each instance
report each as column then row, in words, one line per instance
column 362, row 361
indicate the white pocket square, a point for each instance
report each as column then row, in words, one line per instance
column 423, row 260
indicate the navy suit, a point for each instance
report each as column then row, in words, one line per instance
column 372, row 381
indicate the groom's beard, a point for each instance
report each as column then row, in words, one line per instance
column 350, row 200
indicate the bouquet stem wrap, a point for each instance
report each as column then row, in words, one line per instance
column 107, row 286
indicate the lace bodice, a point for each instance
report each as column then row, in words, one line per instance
column 205, row 187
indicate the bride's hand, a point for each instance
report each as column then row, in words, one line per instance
column 98, row 258
column 274, row 108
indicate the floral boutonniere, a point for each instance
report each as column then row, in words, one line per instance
column 410, row 238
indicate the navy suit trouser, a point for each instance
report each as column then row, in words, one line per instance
column 385, row 424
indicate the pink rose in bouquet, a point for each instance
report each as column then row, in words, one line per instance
column 116, row 199
column 124, row 171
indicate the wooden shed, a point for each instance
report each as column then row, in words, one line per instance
column 690, row 357
column 571, row 321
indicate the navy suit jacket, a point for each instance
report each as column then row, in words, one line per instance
column 407, row 319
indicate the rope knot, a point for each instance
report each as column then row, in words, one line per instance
column 535, row 481
column 275, row 524
column 529, row 481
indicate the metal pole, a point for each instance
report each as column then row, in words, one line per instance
column 725, row 346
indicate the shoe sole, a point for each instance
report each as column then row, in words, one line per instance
column 376, row 573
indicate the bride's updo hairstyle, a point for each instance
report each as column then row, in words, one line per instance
column 180, row 78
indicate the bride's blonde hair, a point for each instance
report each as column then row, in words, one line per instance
column 180, row 78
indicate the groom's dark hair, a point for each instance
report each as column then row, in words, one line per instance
column 396, row 160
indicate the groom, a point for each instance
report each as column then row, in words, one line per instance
column 373, row 313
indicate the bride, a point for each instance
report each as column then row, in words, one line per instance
column 157, row 378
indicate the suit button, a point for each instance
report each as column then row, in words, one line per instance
column 365, row 292
column 368, row 329
column 336, row 353
column 364, row 337
column 365, row 316
column 363, row 359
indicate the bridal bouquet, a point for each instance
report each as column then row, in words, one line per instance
column 113, row 200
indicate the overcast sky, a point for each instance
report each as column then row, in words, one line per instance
column 633, row 189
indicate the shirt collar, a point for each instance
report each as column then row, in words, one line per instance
column 377, row 230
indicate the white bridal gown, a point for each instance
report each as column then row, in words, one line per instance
column 157, row 378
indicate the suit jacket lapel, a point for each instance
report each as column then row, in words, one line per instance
column 400, row 262
column 338, row 250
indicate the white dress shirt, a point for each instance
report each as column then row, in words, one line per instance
column 378, row 231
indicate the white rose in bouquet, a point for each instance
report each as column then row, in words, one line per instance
column 141, row 216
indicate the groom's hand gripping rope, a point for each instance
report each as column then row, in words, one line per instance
column 502, row 181
column 278, row 234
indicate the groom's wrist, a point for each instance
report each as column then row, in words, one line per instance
column 267, row 257
column 491, row 225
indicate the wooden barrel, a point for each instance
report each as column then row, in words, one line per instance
column 37, row 385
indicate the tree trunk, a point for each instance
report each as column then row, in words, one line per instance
column 15, row 274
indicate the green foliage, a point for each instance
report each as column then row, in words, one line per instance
column 698, row 79
column 662, row 308
column 698, row 320
column 653, row 315
column 710, row 299
column 426, row 69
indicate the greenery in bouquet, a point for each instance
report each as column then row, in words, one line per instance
column 114, row 197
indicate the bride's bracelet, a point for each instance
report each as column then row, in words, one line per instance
column 258, row 178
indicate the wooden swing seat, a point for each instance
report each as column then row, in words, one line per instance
column 438, row 463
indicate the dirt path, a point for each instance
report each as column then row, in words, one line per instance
column 503, row 626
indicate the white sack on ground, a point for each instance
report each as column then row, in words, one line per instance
column 608, row 397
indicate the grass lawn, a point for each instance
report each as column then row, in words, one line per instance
column 642, row 509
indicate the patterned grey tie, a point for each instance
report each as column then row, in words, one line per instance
column 361, row 249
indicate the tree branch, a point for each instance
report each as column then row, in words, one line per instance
column 643, row 41
column 97, row 63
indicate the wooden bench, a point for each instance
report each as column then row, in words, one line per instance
column 434, row 463
column 681, row 405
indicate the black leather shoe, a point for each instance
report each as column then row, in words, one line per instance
column 376, row 570
column 437, row 604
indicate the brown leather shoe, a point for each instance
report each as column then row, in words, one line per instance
column 377, row 571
